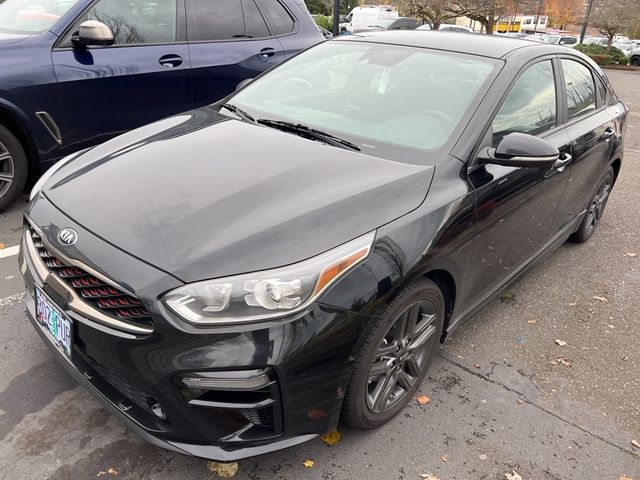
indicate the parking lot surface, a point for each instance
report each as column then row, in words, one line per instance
column 505, row 396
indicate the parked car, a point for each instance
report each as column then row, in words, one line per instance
column 74, row 73
column 361, row 18
column 234, row 279
column 568, row 40
column 626, row 46
column 447, row 28
column 402, row 23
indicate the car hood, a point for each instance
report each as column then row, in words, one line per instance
column 201, row 195
column 10, row 38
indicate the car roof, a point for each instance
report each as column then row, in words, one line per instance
column 492, row 46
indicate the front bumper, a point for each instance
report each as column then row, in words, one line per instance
column 307, row 359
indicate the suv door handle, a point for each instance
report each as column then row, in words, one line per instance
column 562, row 161
column 170, row 61
column 608, row 133
column 267, row 52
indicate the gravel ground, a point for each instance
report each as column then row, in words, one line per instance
column 505, row 397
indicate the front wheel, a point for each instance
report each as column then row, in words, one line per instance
column 595, row 209
column 395, row 356
column 13, row 168
column 635, row 61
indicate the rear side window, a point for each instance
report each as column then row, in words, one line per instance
column 254, row 23
column 581, row 91
column 132, row 24
column 219, row 20
column 277, row 16
column 531, row 104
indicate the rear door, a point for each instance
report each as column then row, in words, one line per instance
column 515, row 206
column 143, row 77
column 229, row 41
column 591, row 127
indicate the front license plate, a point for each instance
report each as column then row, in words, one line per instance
column 55, row 324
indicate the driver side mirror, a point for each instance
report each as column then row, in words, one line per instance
column 93, row 32
column 520, row 150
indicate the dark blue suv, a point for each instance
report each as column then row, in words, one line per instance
column 74, row 73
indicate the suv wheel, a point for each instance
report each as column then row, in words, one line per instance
column 395, row 356
column 635, row 61
column 13, row 168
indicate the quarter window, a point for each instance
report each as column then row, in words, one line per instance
column 132, row 24
column 277, row 16
column 581, row 91
column 531, row 104
column 602, row 94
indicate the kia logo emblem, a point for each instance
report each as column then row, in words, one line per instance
column 67, row 237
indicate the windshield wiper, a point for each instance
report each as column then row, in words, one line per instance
column 239, row 112
column 309, row 132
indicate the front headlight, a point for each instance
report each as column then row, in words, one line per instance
column 53, row 169
column 267, row 294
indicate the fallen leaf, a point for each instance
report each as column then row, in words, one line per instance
column 631, row 254
column 512, row 476
column 601, row 298
column 477, row 365
column 532, row 322
column 562, row 343
column 575, row 302
column 108, row 471
column 520, row 402
column 507, row 297
column 308, row 463
column 624, row 477
column 444, row 458
column 423, row 399
column 2, row 245
column 482, row 456
column 331, row 438
column 224, row 470
column 565, row 361
column 428, row 476
column 635, row 443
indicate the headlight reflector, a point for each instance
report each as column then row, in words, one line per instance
column 267, row 294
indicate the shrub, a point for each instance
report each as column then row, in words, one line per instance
column 598, row 52
column 325, row 22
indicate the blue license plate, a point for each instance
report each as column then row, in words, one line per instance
column 56, row 325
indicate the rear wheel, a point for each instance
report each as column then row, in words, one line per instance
column 595, row 209
column 396, row 356
column 13, row 168
column 635, row 61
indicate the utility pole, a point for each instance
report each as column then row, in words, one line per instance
column 583, row 32
column 336, row 18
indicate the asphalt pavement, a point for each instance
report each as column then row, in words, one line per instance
column 544, row 383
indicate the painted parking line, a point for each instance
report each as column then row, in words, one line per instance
column 9, row 251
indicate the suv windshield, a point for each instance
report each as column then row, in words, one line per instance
column 391, row 101
column 31, row 16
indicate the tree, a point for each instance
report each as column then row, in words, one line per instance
column 564, row 12
column 482, row 11
column 613, row 17
column 437, row 12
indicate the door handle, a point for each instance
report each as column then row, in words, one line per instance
column 170, row 61
column 267, row 52
column 562, row 161
column 608, row 133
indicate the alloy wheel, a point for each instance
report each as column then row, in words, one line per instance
column 6, row 170
column 401, row 356
column 597, row 204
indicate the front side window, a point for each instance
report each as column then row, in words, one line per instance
column 531, row 104
column 133, row 24
column 581, row 91
column 381, row 97
column 31, row 16
column 602, row 94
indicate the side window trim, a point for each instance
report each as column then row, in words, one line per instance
column 296, row 24
column 571, row 121
column 64, row 41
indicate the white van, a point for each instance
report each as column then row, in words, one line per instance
column 366, row 16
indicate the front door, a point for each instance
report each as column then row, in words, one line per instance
column 515, row 207
column 143, row 77
column 229, row 41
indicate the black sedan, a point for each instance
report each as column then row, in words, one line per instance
column 236, row 279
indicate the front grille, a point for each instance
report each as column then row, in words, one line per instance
column 92, row 290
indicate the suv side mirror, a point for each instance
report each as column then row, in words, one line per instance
column 520, row 150
column 93, row 32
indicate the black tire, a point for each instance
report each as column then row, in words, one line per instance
column 635, row 61
column 13, row 168
column 595, row 209
column 383, row 357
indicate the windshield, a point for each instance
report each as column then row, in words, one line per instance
column 379, row 97
column 31, row 16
